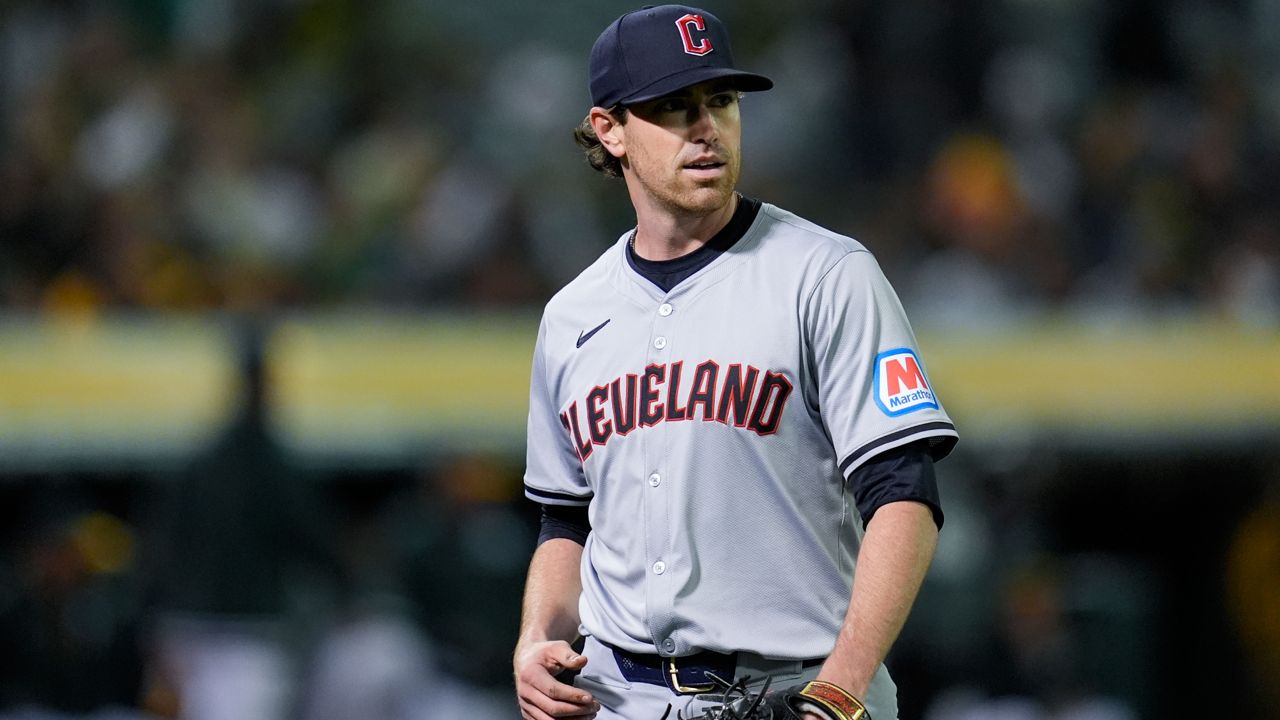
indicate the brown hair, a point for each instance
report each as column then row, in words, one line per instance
column 597, row 156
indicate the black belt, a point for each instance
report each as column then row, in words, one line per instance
column 688, row 674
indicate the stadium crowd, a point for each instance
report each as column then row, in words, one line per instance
column 998, row 157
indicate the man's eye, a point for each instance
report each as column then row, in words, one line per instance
column 723, row 100
column 672, row 105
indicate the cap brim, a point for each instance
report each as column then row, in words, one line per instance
column 744, row 81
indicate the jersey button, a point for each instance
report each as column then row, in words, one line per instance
column 659, row 568
column 669, row 645
column 664, row 309
column 659, row 342
column 655, row 480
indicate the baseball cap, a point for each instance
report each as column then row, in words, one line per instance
column 657, row 50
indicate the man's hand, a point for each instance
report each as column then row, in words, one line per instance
column 541, row 696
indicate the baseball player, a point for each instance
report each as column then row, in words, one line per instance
column 731, row 430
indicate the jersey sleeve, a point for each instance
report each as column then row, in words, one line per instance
column 553, row 473
column 872, row 387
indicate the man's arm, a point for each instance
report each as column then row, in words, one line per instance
column 896, row 551
column 549, row 623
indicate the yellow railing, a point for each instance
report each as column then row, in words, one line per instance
column 395, row 385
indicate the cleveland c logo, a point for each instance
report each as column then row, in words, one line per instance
column 687, row 25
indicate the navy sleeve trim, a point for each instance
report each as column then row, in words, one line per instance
column 938, row 449
column 565, row 521
column 901, row 473
column 555, row 497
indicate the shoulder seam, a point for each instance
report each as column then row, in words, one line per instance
column 826, row 273
column 782, row 217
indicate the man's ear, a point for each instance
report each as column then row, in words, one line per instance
column 610, row 132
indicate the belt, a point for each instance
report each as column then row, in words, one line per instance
column 692, row 673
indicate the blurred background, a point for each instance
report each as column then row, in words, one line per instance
column 271, row 271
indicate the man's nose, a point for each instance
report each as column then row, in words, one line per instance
column 702, row 123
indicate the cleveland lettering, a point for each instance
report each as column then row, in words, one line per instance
column 738, row 395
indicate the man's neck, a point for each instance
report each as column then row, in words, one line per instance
column 664, row 235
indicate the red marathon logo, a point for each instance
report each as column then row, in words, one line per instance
column 900, row 384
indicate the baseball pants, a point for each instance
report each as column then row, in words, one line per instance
column 623, row 700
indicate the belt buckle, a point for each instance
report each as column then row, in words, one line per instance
column 685, row 689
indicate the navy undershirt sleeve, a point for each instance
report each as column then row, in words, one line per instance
column 903, row 473
column 564, row 521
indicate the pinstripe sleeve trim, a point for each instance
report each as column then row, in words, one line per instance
column 944, row 432
column 555, row 498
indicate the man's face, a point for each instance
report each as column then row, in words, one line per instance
column 684, row 149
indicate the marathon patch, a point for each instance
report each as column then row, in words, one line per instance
column 900, row 384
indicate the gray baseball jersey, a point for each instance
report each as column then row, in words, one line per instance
column 711, row 429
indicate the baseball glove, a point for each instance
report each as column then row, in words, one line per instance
column 817, row 697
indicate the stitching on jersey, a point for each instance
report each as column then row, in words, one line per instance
column 812, row 229
column 845, row 514
column 894, row 439
column 808, row 301
column 810, row 365
column 546, row 386
column 554, row 495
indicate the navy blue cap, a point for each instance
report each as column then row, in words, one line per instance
column 649, row 53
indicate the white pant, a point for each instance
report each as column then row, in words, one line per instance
column 622, row 700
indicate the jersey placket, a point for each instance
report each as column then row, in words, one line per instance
column 658, row 485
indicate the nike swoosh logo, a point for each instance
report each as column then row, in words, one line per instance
column 584, row 337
